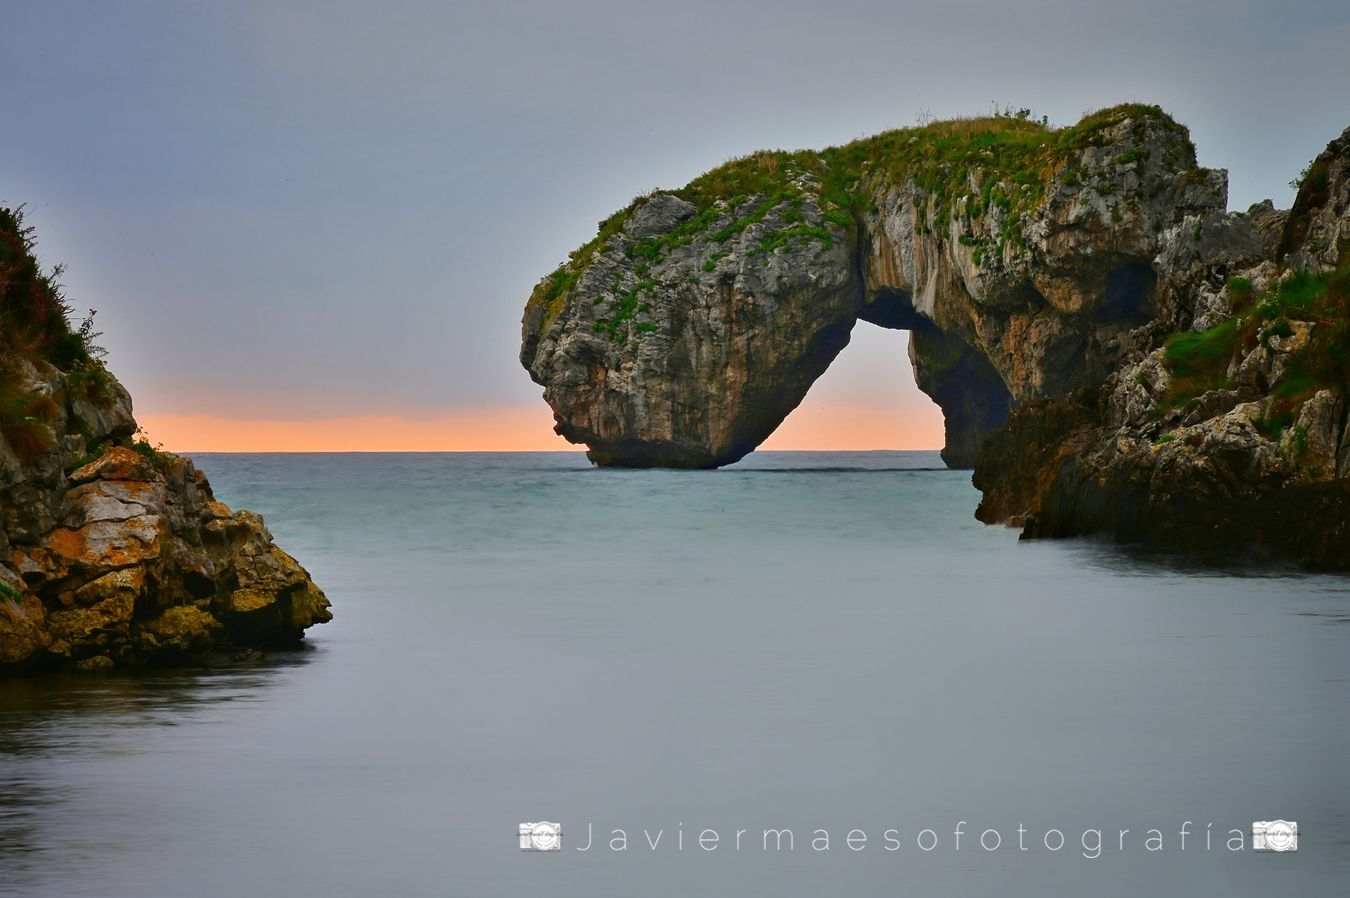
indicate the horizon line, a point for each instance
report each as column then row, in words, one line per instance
column 823, row 427
column 580, row 451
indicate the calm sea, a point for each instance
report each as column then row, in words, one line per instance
column 811, row 642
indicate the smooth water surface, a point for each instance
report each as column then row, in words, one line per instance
column 804, row 641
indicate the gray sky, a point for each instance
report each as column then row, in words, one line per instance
column 320, row 209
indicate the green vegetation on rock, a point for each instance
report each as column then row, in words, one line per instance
column 35, row 327
column 1199, row 361
column 963, row 169
column 155, row 453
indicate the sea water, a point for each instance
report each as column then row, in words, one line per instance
column 805, row 642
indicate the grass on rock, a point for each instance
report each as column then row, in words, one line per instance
column 966, row 167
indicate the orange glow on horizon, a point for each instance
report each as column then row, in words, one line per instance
column 840, row 428
column 507, row 429
column 811, row 427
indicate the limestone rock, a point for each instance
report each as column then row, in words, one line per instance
column 1317, row 232
column 183, row 631
column 128, row 559
column 658, row 215
column 1196, row 253
column 112, row 553
column 1114, row 350
column 1269, row 223
column 118, row 463
column 1316, row 434
column 697, row 320
column 108, row 418
column 23, row 626
column 1264, row 367
column 1250, row 457
column 693, row 361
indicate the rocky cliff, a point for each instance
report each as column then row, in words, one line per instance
column 1019, row 256
column 1121, row 354
column 1224, row 430
column 113, row 553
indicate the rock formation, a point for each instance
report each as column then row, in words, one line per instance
column 113, row 553
column 1018, row 256
column 1224, row 431
column 1121, row 354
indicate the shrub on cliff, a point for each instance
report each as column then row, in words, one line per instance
column 34, row 314
column 1200, row 361
column 35, row 327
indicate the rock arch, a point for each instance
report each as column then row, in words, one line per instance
column 697, row 320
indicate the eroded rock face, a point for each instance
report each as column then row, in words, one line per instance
column 1316, row 235
column 1229, row 437
column 114, row 557
column 685, row 334
column 713, row 353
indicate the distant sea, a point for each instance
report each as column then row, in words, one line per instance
column 814, row 642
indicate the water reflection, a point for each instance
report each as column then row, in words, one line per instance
column 652, row 647
column 53, row 728
column 1100, row 553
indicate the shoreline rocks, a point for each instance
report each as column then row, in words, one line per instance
column 113, row 553
column 128, row 559
column 1225, row 431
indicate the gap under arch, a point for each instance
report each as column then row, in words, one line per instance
column 866, row 399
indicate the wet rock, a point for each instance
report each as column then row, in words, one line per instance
column 23, row 625
column 100, row 621
column 183, row 631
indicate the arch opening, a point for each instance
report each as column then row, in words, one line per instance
column 867, row 399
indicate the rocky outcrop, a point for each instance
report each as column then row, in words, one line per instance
column 113, row 553
column 1018, row 256
column 1120, row 353
column 1224, row 431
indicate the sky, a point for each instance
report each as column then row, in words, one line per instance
column 314, row 225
